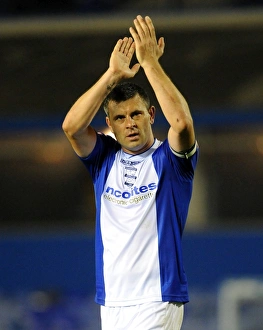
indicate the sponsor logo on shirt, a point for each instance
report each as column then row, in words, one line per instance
column 134, row 195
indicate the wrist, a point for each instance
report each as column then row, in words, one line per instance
column 152, row 69
column 112, row 78
column 151, row 65
column 115, row 75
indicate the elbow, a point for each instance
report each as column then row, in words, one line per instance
column 72, row 130
column 67, row 128
column 184, row 124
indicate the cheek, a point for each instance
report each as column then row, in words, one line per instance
column 147, row 127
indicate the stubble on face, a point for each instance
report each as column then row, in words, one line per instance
column 131, row 122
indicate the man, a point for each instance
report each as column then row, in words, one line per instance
column 142, row 186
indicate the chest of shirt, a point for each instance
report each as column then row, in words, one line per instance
column 130, row 178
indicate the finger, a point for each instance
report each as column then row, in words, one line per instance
column 134, row 35
column 130, row 49
column 123, row 45
column 118, row 45
column 150, row 26
column 128, row 46
column 140, row 26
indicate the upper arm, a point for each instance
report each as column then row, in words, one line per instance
column 182, row 140
column 83, row 143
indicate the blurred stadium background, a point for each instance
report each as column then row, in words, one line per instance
column 51, row 52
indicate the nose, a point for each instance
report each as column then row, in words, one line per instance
column 130, row 122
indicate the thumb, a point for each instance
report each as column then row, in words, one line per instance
column 135, row 68
column 161, row 44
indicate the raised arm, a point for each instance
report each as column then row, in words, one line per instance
column 174, row 106
column 77, row 122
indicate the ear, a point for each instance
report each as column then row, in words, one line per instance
column 152, row 114
column 108, row 123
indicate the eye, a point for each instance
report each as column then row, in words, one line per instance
column 119, row 118
column 136, row 115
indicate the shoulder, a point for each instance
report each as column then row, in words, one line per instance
column 166, row 158
column 102, row 156
column 105, row 144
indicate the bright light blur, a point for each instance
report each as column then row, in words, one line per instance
column 107, row 131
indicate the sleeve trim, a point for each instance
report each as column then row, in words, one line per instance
column 187, row 153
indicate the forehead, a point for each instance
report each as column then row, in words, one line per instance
column 132, row 104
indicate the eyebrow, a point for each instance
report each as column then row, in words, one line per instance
column 134, row 112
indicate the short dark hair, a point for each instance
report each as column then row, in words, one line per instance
column 123, row 92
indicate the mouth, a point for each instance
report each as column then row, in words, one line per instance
column 132, row 136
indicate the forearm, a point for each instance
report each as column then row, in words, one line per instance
column 85, row 108
column 172, row 102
